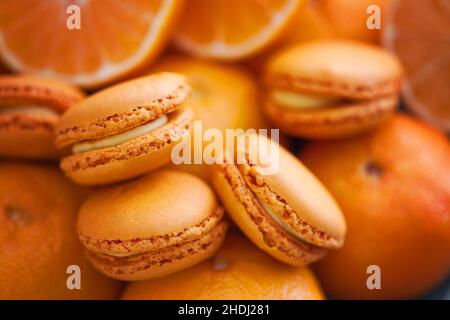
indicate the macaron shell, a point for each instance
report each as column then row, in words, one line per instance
column 122, row 107
column 129, row 159
column 160, row 263
column 31, row 90
column 341, row 121
column 347, row 68
column 242, row 206
column 28, row 136
column 282, row 175
column 160, row 205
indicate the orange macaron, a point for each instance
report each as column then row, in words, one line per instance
column 30, row 107
column 329, row 89
column 149, row 227
column 126, row 130
column 238, row 271
column 41, row 257
column 278, row 203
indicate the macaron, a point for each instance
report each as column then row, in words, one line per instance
column 126, row 130
column 239, row 271
column 41, row 256
column 152, row 226
column 29, row 110
column 330, row 89
column 278, row 203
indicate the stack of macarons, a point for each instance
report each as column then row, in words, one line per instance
column 148, row 222
column 143, row 221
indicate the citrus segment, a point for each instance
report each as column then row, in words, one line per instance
column 95, row 44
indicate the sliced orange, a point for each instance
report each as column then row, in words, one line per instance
column 418, row 32
column 115, row 38
column 233, row 29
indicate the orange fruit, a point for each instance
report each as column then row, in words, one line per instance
column 393, row 186
column 38, row 240
column 334, row 19
column 223, row 97
column 238, row 271
column 325, row 19
column 115, row 38
column 233, row 29
column 425, row 53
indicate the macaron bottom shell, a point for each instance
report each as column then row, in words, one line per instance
column 149, row 265
column 129, row 159
column 333, row 122
column 29, row 142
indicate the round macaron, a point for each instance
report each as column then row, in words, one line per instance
column 151, row 226
column 238, row 271
column 126, row 130
column 278, row 203
column 41, row 256
column 330, row 89
column 29, row 110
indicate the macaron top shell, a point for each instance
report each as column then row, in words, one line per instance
column 299, row 188
column 343, row 67
column 281, row 181
column 122, row 107
column 27, row 90
column 160, row 204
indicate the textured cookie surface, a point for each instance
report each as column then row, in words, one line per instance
column 122, row 107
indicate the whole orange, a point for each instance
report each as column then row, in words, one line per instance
column 336, row 19
column 222, row 97
column 238, row 271
column 39, row 248
column 393, row 186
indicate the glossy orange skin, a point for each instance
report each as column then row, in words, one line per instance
column 335, row 19
column 394, row 188
column 38, row 209
column 239, row 271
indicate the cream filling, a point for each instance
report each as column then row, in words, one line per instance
column 120, row 138
column 301, row 101
column 283, row 225
column 34, row 110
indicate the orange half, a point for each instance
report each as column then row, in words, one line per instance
column 233, row 29
column 91, row 46
column 418, row 32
